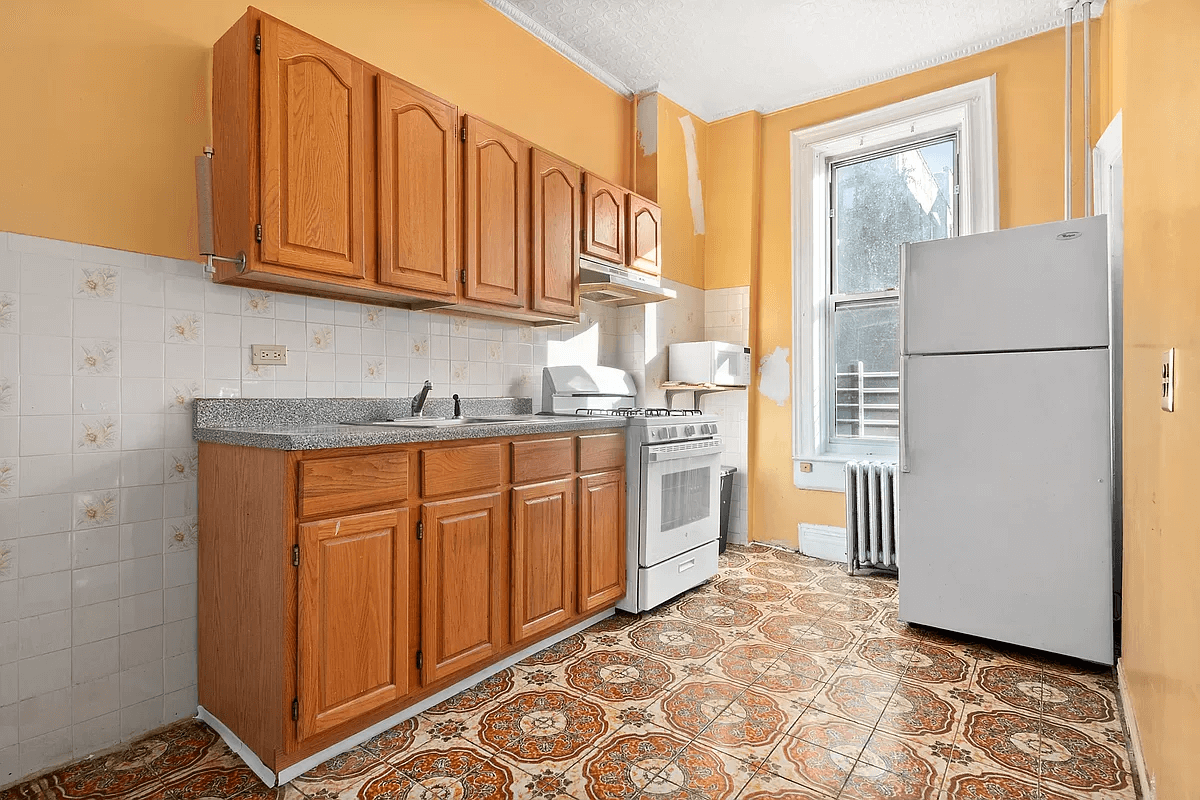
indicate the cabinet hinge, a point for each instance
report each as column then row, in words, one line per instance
column 420, row 659
column 295, row 708
column 258, row 232
column 295, row 555
column 420, row 530
column 956, row 190
column 258, row 43
column 462, row 276
column 462, row 133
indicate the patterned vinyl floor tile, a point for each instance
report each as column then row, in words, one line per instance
column 780, row 679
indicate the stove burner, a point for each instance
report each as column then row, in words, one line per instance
column 637, row 412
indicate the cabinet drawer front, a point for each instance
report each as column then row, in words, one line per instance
column 456, row 470
column 333, row 485
column 540, row 459
column 603, row 451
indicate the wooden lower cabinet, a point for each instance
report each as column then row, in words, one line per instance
column 339, row 587
column 353, row 617
column 463, row 549
column 601, row 540
column 543, row 557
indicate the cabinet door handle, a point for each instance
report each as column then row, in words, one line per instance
column 685, row 566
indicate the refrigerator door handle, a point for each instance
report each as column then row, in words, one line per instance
column 903, row 414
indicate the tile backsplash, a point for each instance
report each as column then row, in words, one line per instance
column 101, row 354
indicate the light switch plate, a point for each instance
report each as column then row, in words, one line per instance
column 275, row 354
column 1168, row 380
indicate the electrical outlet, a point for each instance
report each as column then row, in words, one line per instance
column 1168, row 380
column 274, row 354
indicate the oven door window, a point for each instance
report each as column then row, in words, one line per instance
column 686, row 497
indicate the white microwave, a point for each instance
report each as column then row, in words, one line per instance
column 720, row 363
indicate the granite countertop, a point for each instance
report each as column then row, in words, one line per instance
column 313, row 424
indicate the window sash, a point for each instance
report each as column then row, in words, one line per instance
column 828, row 390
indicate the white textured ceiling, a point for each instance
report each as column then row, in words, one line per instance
column 720, row 57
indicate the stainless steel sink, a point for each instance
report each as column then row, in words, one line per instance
column 444, row 422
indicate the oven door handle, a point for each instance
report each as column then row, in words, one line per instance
column 672, row 452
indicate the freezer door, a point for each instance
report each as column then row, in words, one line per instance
column 1004, row 522
column 1017, row 289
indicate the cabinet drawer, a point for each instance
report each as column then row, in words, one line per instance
column 333, row 485
column 456, row 470
column 603, row 451
column 540, row 459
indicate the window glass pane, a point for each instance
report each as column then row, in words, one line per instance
column 866, row 357
column 883, row 202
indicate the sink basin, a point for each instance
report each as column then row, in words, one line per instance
column 442, row 422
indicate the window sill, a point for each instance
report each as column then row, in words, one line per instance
column 827, row 472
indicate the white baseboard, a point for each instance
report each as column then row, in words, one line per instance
column 823, row 541
column 286, row 774
column 1135, row 739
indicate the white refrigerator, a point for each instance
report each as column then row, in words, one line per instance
column 1005, row 508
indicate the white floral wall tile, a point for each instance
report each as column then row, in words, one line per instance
column 96, row 433
column 96, row 357
column 181, row 465
column 97, row 282
column 96, row 509
column 259, row 303
column 184, row 327
column 320, row 338
column 8, row 312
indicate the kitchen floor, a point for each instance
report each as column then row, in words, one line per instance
column 782, row 678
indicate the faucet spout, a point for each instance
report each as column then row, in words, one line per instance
column 418, row 402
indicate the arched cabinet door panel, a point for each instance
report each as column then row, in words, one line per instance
column 603, row 219
column 644, row 235
column 556, row 205
column 311, row 154
column 418, row 189
column 496, row 238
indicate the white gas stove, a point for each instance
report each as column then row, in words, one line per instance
column 672, row 481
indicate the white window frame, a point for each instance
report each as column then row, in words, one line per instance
column 968, row 110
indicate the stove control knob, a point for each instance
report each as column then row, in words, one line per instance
column 689, row 430
column 674, row 432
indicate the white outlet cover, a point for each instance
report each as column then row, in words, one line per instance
column 268, row 354
column 1168, row 380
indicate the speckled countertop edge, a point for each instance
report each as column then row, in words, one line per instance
column 327, row 437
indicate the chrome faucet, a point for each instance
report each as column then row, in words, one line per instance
column 418, row 402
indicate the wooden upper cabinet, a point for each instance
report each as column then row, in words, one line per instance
column 556, row 202
column 496, row 194
column 353, row 618
column 311, row 154
column 418, row 189
column 603, row 219
column 601, row 540
column 463, row 586
column 644, row 222
column 543, row 557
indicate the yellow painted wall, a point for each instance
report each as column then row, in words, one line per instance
column 1156, row 61
column 104, row 103
column 731, row 197
column 683, row 248
column 1029, row 89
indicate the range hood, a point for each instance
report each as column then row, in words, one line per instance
column 612, row 285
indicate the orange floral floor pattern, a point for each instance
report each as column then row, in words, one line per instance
column 781, row 678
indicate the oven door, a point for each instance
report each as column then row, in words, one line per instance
column 681, row 498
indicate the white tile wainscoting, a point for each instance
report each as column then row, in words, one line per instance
column 101, row 353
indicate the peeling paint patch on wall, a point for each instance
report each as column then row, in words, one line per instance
column 647, row 123
column 695, row 190
column 774, row 377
